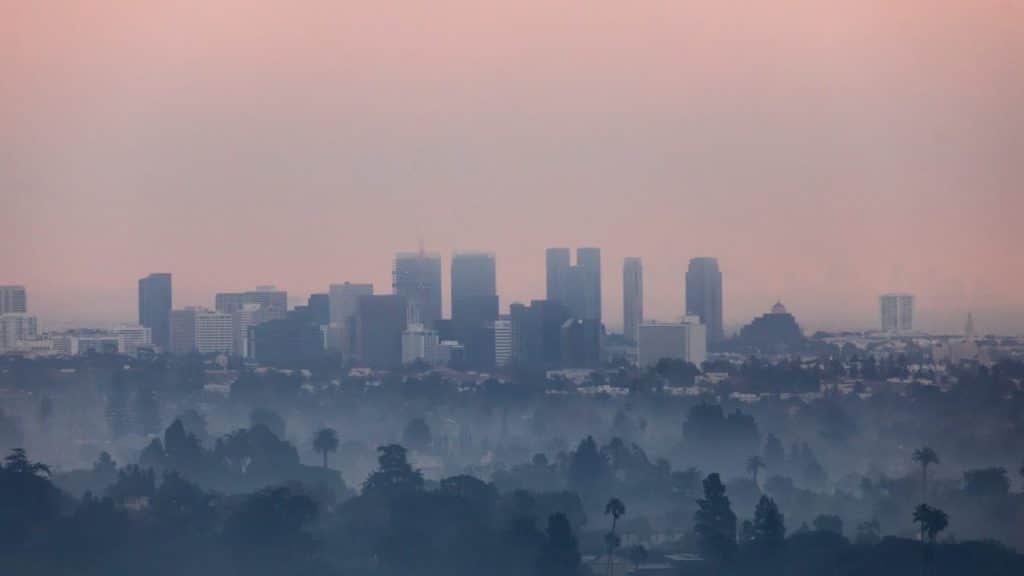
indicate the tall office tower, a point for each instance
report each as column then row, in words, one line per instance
column 155, row 308
column 420, row 344
column 201, row 330
column 580, row 342
column 474, row 307
column 417, row 277
column 704, row 295
column 632, row 297
column 285, row 342
column 249, row 315
column 537, row 334
column 273, row 301
column 13, row 300
column 14, row 327
column 897, row 311
column 319, row 309
column 557, row 262
column 502, row 342
column 588, row 260
column 132, row 337
column 344, row 308
column 474, row 287
column 380, row 322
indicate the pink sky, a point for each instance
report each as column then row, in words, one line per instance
column 824, row 151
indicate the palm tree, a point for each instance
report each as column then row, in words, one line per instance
column 615, row 508
column 932, row 521
column 754, row 464
column 326, row 440
column 925, row 456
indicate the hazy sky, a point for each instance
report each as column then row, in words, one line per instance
column 824, row 151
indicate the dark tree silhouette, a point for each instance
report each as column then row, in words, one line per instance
column 587, row 467
column 828, row 523
column 925, row 457
column 614, row 508
column 715, row 522
column 769, row 524
column 325, row 441
column 559, row 555
column 394, row 476
column 931, row 520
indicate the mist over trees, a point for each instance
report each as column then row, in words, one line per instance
column 179, row 465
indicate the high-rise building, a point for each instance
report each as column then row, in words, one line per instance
column 557, row 263
column 319, row 309
column 155, row 303
column 15, row 327
column 475, row 306
column 251, row 314
column 474, row 287
column 502, row 342
column 273, row 301
column 13, row 300
column 588, row 260
column 897, row 312
column 632, row 297
column 577, row 287
column 380, row 322
column 537, row 334
column 201, row 330
column 580, row 342
column 686, row 340
column 286, row 342
column 344, row 308
column 417, row 277
column 420, row 344
column 131, row 337
column 704, row 295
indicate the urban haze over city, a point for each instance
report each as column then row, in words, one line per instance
column 579, row 288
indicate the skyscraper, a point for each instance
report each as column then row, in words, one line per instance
column 274, row 302
column 344, row 307
column 897, row 312
column 380, row 323
column 474, row 288
column 13, row 300
column 704, row 295
column 475, row 306
column 557, row 263
column 155, row 304
column 632, row 297
column 588, row 260
column 577, row 287
column 417, row 277
column 537, row 334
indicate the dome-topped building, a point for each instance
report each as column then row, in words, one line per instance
column 775, row 332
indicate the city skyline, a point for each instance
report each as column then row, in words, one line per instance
column 290, row 299
column 880, row 158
